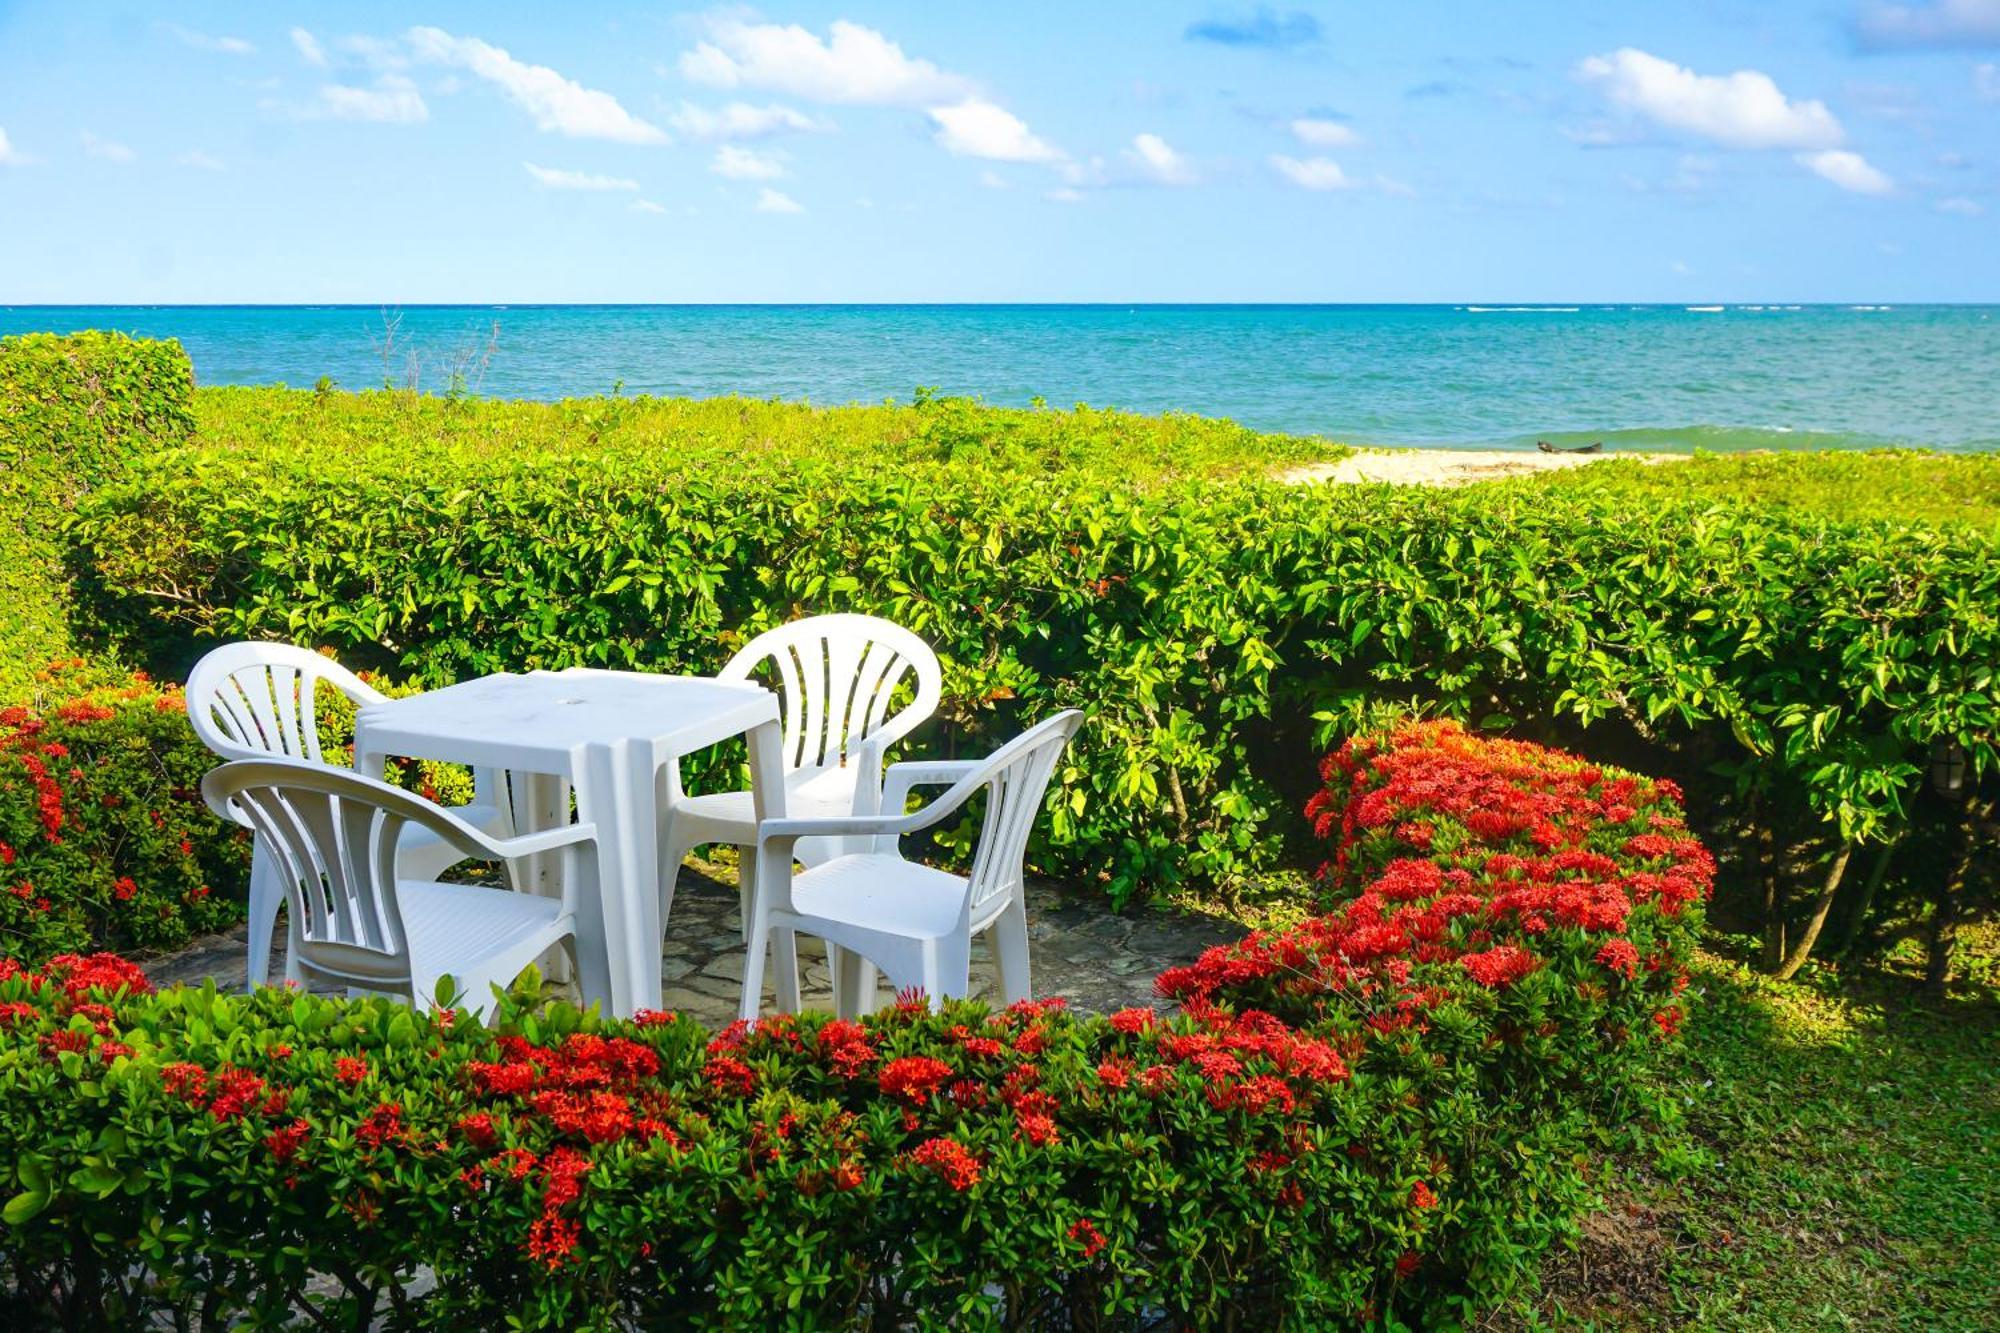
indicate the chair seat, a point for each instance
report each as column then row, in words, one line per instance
column 880, row 891
column 466, row 921
column 809, row 793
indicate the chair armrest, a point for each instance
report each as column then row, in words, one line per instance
column 528, row 844
column 900, row 778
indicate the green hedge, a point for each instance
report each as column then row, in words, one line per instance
column 1216, row 631
column 1401, row 1158
column 73, row 411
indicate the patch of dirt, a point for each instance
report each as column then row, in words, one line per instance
column 1615, row 1277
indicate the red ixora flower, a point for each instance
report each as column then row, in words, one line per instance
column 1085, row 1233
column 1621, row 957
column 350, row 1069
column 1421, row 1196
column 953, row 1163
column 914, row 1077
column 1500, row 966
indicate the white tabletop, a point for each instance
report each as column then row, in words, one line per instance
column 541, row 721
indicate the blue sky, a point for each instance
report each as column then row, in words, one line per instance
column 1786, row 150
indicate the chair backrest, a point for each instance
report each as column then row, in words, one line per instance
column 837, row 680
column 250, row 700
column 333, row 837
column 1015, row 777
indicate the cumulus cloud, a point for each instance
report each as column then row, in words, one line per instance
column 978, row 128
column 1960, row 206
column 554, row 103
column 1939, row 23
column 852, row 65
column 393, row 100
column 776, row 201
column 308, row 47
column 1986, row 82
column 201, row 41
column 1741, row 110
column 106, row 149
column 646, row 206
column 199, row 161
column 1318, row 132
column 1312, row 173
column 10, row 156
column 1157, row 161
column 1262, row 27
column 745, row 164
column 741, row 120
column 554, row 178
column 1850, row 171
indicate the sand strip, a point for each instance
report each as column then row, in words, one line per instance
column 1450, row 467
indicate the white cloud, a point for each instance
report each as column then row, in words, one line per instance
column 1959, row 206
column 1741, row 110
column 1316, row 132
column 394, row 100
column 646, row 206
column 1986, row 81
column 1937, row 23
column 1394, row 188
column 309, row 48
column 978, row 128
column 745, row 164
column 199, row 161
column 201, row 41
column 1312, row 173
column 1159, row 162
column 554, row 103
column 1063, row 194
column 741, row 120
column 776, row 201
column 10, row 156
column 106, row 149
column 992, row 180
column 853, row 65
column 554, row 178
column 1848, row 170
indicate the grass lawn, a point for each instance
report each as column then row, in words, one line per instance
column 1898, row 485
column 1839, row 1168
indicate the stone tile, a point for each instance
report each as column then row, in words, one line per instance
column 1081, row 952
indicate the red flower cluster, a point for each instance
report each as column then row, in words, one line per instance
column 950, row 1159
column 1538, row 842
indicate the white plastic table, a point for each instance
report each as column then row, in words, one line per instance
column 604, row 734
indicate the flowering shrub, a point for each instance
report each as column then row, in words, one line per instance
column 1376, row 1116
column 104, row 840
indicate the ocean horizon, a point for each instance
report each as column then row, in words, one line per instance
column 1723, row 376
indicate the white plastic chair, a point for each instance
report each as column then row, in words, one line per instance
column 335, row 843
column 256, row 701
column 837, row 679
column 913, row 922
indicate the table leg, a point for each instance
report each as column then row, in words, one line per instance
column 615, row 792
column 541, row 801
column 767, row 799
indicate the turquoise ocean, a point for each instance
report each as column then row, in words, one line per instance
column 1636, row 377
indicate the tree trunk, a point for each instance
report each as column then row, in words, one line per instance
column 1802, row 949
column 1944, row 916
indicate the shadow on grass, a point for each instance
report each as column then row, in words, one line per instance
column 1836, row 1165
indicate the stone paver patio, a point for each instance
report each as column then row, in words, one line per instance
column 1097, row 960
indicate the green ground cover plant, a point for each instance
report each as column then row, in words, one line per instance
column 1401, row 1155
column 1891, row 485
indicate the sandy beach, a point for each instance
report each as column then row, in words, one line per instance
column 1450, row 467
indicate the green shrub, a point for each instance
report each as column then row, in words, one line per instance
column 1403, row 1153
column 104, row 839
column 73, row 410
column 1215, row 630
